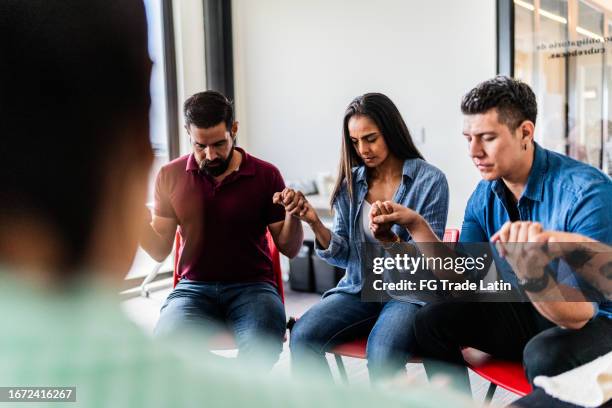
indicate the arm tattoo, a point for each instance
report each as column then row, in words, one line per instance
column 606, row 270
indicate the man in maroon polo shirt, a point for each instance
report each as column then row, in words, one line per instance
column 222, row 200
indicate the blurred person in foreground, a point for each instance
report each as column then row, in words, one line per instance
column 75, row 158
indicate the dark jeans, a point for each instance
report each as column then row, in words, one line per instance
column 254, row 313
column 511, row 331
column 539, row 399
column 340, row 317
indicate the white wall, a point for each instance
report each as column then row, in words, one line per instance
column 299, row 63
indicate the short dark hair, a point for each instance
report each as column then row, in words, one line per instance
column 208, row 109
column 74, row 76
column 514, row 101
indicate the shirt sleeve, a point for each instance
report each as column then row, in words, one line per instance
column 473, row 233
column 435, row 209
column 591, row 214
column 275, row 212
column 338, row 251
column 471, row 229
column 163, row 205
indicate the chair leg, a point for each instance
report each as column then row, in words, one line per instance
column 144, row 286
column 341, row 368
column 490, row 392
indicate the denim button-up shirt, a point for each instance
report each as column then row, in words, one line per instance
column 423, row 188
column 561, row 193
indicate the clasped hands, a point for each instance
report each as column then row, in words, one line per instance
column 384, row 214
column 296, row 205
column 528, row 248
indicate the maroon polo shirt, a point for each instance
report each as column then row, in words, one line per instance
column 222, row 225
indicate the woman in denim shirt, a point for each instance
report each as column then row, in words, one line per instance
column 379, row 162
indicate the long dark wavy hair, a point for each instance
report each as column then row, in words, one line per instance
column 380, row 109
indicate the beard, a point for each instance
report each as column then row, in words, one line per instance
column 217, row 167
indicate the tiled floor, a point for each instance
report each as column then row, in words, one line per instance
column 145, row 312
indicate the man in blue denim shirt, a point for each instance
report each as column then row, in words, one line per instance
column 522, row 183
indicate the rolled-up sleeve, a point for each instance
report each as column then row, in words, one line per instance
column 435, row 209
column 337, row 253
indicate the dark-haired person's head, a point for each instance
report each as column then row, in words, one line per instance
column 75, row 156
column 499, row 124
column 209, row 120
column 373, row 131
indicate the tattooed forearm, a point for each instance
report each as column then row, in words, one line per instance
column 606, row 270
column 578, row 257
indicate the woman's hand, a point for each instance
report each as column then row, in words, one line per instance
column 394, row 213
column 381, row 231
column 296, row 204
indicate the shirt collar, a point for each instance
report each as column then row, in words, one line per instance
column 247, row 166
column 409, row 169
column 534, row 189
column 360, row 174
column 192, row 164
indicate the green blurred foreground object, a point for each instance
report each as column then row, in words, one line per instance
column 84, row 340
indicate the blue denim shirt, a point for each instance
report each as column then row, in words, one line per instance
column 561, row 193
column 423, row 188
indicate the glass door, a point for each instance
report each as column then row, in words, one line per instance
column 562, row 49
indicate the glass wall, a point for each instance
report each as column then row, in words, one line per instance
column 158, row 114
column 562, row 49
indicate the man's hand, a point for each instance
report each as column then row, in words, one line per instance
column 566, row 237
column 528, row 250
column 381, row 231
column 395, row 213
column 521, row 244
column 296, row 204
column 555, row 244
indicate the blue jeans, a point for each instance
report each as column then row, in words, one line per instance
column 341, row 317
column 253, row 312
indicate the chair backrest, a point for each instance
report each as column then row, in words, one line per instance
column 451, row 235
column 276, row 265
column 274, row 253
column 177, row 250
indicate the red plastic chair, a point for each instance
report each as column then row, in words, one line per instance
column 225, row 340
column 357, row 348
column 451, row 235
column 506, row 374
